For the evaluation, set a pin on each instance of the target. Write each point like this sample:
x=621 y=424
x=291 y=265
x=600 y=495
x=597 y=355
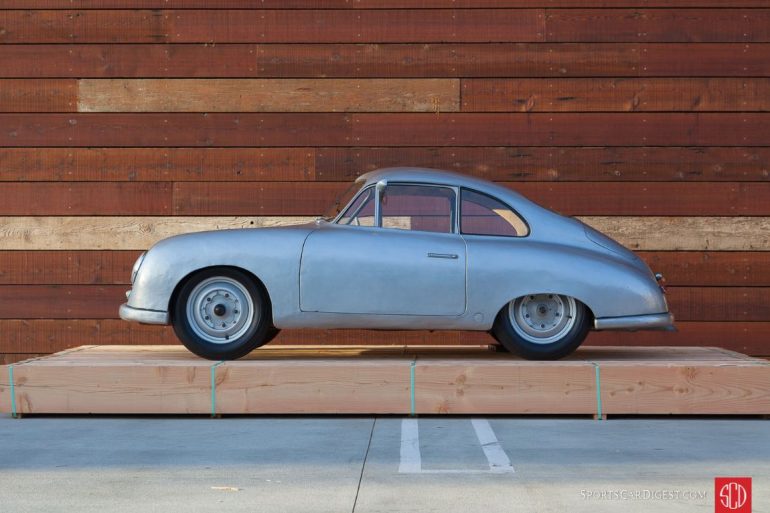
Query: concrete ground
x=366 y=464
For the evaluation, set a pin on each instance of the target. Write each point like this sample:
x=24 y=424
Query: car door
x=406 y=260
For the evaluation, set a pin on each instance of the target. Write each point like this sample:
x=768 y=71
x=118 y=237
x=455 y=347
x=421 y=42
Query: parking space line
x=411 y=459
x=498 y=460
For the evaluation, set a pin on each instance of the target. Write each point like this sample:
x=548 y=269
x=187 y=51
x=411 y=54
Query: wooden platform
x=388 y=380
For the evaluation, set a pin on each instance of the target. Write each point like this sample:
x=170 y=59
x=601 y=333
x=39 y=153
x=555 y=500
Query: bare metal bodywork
x=328 y=275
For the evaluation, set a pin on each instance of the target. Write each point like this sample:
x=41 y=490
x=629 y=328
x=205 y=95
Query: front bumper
x=128 y=313
x=662 y=321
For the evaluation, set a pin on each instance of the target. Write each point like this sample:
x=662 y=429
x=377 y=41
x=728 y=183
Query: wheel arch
x=255 y=279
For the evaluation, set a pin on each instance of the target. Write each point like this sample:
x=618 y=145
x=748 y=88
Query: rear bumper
x=663 y=321
x=128 y=313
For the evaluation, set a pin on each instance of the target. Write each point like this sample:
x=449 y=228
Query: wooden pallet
x=387 y=380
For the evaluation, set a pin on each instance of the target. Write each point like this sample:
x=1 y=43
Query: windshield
x=340 y=201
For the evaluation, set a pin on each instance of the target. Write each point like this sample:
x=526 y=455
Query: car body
x=428 y=249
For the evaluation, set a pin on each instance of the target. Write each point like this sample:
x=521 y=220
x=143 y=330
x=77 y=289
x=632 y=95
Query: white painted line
x=411 y=461
x=498 y=460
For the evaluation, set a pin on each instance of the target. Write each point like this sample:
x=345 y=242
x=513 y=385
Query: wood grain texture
x=86 y=198
x=556 y=164
x=272 y=26
x=451 y=386
x=616 y=95
x=657 y=25
x=648 y=233
x=703 y=60
x=53 y=95
x=562 y=129
x=22 y=336
x=168 y=164
x=728 y=268
x=336 y=60
x=448 y=60
x=384 y=25
x=569 y=198
x=368 y=4
x=122 y=386
x=66 y=267
x=268 y=95
x=403 y=129
x=685 y=388
x=611 y=164
x=115 y=233
x=62 y=301
x=681 y=268
x=468 y=380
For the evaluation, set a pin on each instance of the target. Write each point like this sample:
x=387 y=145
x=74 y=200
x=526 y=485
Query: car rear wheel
x=222 y=314
x=542 y=326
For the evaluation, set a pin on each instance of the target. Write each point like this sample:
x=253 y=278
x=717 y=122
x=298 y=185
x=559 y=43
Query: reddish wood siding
x=638 y=111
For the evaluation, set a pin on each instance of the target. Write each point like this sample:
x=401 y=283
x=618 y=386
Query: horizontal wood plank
x=569 y=198
x=554 y=164
x=657 y=25
x=366 y=4
x=610 y=164
x=171 y=164
x=51 y=95
x=616 y=95
x=648 y=233
x=403 y=129
x=681 y=268
x=86 y=198
x=116 y=233
x=272 y=26
x=359 y=60
x=448 y=60
x=51 y=335
x=562 y=129
x=384 y=25
x=66 y=267
x=269 y=95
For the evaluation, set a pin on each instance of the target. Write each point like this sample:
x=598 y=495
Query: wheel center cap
x=220 y=310
x=542 y=309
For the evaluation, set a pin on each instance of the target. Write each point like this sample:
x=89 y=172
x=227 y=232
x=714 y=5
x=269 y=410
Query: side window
x=418 y=207
x=361 y=211
x=484 y=215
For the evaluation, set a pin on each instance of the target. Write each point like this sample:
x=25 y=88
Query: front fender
x=270 y=254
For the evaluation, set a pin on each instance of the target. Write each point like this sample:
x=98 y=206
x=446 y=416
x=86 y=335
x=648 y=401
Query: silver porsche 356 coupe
x=413 y=249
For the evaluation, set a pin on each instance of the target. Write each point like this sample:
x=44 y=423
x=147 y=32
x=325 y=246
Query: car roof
x=421 y=175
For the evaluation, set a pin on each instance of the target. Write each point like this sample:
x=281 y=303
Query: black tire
x=524 y=337
x=245 y=306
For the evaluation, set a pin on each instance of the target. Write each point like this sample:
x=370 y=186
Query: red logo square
x=732 y=495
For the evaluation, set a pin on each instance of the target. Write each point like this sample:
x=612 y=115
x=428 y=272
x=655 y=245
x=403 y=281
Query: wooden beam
x=616 y=95
x=50 y=95
x=394 y=129
x=540 y=164
x=133 y=233
x=268 y=95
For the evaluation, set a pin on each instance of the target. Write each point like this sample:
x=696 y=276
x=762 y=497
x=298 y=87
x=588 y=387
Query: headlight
x=136 y=267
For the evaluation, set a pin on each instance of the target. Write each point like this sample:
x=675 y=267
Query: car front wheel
x=542 y=326
x=221 y=314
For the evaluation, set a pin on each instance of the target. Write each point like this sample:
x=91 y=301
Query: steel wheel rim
x=220 y=310
x=542 y=318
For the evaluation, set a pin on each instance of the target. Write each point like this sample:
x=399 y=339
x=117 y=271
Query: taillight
x=661 y=282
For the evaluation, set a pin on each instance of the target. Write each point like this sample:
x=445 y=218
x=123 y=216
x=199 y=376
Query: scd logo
x=732 y=494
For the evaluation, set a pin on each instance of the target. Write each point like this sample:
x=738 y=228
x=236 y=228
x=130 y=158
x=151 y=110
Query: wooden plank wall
x=124 y=121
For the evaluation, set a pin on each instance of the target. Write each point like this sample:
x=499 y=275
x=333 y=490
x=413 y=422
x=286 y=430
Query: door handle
x=443 y=255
